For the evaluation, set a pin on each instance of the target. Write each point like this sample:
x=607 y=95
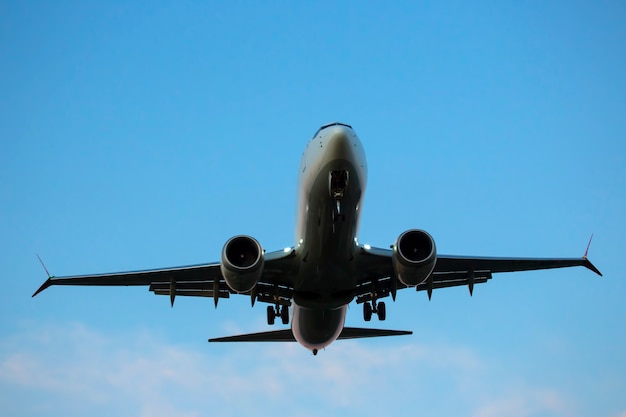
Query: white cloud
x=525 y=402
x=71 y=369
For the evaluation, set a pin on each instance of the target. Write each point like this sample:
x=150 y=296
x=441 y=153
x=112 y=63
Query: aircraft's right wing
x=203 y=280
x=379 y=281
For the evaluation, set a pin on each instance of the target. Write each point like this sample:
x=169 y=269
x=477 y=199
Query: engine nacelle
x=414 y=257
x=242 y=263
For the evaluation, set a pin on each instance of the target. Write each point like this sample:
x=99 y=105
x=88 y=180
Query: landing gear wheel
x=284 y=314
x=271 y=315
x=367 y=311
x=382 y=311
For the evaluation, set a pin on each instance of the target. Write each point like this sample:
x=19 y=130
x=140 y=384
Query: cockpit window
x=335 y=124
x=329 y=125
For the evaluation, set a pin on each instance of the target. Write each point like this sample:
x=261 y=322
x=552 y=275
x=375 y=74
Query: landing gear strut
x=278 y=311
x=379 y=309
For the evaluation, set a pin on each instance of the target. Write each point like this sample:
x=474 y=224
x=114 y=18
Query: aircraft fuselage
x=331 y=183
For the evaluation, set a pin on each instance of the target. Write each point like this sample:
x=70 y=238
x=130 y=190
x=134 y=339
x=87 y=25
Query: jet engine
x=242 y=263
x=414 y=257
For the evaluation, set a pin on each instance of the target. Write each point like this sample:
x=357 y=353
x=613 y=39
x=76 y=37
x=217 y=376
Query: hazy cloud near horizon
x=77 y=369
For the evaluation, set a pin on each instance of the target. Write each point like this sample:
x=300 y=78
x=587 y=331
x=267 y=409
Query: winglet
x=44 y=286
x=43 y=265
x=48 y=281
x=588 y=244
x=587 y=263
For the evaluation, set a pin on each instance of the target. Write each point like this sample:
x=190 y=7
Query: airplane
x=326 y=268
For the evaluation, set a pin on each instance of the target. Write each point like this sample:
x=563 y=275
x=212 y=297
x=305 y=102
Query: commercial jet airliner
x=326 y=268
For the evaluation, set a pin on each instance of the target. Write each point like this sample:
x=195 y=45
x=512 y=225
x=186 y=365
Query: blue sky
x=145 y=135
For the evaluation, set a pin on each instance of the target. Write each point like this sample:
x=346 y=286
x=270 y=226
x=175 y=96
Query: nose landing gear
x=338 y=183
x=337 y=186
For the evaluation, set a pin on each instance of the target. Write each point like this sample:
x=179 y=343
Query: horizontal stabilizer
x=273 y=336
x=287 y=335
x=357 y=333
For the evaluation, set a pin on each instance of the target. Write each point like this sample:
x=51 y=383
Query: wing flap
x=193 y=293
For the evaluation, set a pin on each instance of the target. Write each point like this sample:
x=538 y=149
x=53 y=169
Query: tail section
x=287 y=335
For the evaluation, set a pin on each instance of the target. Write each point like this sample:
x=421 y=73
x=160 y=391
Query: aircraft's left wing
x=378 y=278
x=203 y=280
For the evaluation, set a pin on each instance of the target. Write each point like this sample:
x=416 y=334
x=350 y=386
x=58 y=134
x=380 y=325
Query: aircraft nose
x=340 y=142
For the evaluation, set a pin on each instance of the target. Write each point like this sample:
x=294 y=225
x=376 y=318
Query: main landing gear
x=379 y=309
x=278 y=311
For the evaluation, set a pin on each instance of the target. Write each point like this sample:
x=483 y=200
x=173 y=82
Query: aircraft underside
x=327 y=268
